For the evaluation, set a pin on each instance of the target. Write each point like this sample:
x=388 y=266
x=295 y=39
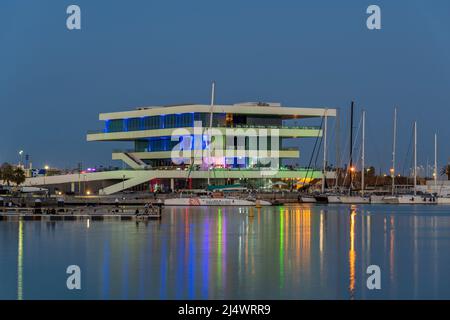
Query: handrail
x=218 y=127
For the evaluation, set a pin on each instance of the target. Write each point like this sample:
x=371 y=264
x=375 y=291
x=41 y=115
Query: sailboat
x=323 y=198
x=213 y=199
x=414 y=198
x=335 y=197
x=392 y=199
x=439 y=199
x=359 y=199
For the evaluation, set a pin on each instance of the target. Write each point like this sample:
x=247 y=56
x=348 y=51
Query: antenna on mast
x=394 y=144
x=213 y=88
x=363 y=151
x=415 y=157
x=435 y=173
x=324 y=150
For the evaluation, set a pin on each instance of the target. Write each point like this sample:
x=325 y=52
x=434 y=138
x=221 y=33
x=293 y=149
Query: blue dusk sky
x=54 y=82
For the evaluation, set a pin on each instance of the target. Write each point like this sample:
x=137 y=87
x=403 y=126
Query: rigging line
x=316 y=157
x=318 y=153
x=407 y=152
x=375 y=144
x=340 y=161
x=312 y=154
x=353 y=147
x=332 y=137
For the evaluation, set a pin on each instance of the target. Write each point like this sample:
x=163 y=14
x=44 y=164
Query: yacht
x=307 y=199
x=214 y=199
x=443 y=200
x=380 y=199
x=354 y=199
x=334 y=198
x=359 y=199
x=415 y=199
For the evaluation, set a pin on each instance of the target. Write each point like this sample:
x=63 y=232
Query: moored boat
x=217 y=198
x=321 y=198
x=355 y=199
x=415 y=199
x=308 y=199
x=206 y=201
x=390 y=199
x=334 y=199
x=443 y=200
x=376 y=199
x=379 y=199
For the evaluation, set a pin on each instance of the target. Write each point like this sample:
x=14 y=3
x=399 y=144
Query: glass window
x=115 y=125
x=134 y=124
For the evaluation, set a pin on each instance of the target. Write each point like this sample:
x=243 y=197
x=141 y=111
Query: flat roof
x=300 y=112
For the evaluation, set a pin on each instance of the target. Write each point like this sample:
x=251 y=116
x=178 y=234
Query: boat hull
x=196 y=202
x=383 y=199
x=321 y=199
x=308 y=200
x=443 y=200
x=376 y=199
x=354 y=199
x=334 y=199
x=411 y=199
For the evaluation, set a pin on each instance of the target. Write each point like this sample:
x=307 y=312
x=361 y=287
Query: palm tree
x=7 y=173
x=10 y=174
x=446 y=170
x=18 y=176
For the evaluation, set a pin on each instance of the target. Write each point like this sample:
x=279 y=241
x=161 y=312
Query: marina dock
x=79 y=213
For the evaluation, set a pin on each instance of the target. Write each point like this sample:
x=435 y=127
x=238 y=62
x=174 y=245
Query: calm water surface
x=290 y=252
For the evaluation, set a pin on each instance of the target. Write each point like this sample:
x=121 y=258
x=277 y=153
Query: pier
x=79 y=213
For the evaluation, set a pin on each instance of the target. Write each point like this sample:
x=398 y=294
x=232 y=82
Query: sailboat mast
x=363 y=151
x=338 y=155
x=394 y=145
x=351 y=145
x=213 y=88
x=435 y=162
x=415 y=158
x=324 y=150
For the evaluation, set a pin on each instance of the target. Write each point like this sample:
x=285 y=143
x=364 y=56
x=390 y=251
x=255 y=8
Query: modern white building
x=195 y=146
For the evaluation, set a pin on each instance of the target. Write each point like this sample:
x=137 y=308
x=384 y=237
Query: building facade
x=196 y=146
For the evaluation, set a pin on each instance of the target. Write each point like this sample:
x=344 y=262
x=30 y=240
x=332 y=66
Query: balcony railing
x=220 y=127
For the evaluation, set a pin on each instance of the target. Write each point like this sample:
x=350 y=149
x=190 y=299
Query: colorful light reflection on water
x=291 y=252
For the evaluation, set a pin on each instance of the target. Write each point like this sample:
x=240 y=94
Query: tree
x=7 y=173
x=18 y=176
x=10 y=174
x=446 y=170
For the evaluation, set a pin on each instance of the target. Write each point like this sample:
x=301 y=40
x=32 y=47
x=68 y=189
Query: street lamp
x=123 y=187
x=46 y=167
x=20 y=158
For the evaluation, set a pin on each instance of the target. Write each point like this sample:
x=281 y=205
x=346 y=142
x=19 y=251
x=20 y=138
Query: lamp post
x=20 y=158
x=46 y=167
x=123 y=187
